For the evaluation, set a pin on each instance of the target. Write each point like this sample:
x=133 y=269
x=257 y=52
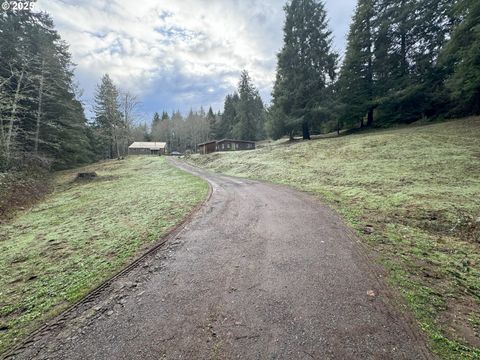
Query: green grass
x=419 y=188
x=54 y=253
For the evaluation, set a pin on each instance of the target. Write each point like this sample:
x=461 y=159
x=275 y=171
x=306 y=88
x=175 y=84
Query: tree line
x=182 y=133
x=42 y=120
x=405 y=60
x=243 y=118
x=39 y=108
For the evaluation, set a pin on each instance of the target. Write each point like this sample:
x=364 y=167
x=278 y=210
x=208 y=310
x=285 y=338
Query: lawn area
x=413 y=195
x=54 y=253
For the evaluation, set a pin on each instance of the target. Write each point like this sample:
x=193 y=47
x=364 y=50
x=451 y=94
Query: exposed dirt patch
x=86 y=175
x=20 y=190
x=96 y=178
x=461 y=320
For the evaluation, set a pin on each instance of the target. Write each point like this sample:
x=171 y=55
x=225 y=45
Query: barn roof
x=148 y=145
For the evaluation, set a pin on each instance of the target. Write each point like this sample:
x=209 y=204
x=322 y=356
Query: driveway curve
x=260 y=272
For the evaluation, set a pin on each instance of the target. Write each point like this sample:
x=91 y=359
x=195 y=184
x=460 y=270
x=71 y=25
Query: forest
x=405 y=61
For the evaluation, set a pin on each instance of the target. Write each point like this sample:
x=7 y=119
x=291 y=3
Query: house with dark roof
x=225 y=145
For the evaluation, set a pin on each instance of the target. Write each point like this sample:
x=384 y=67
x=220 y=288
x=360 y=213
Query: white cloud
x=195 y=47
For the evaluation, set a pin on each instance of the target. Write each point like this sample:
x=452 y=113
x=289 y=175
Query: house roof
x=208 y=142
x=233 y=140
x=148 y=145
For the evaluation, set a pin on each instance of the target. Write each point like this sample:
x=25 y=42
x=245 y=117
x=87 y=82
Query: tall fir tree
x=165 y=116
x=306 y=64
x=160 y=127
x=176 y=134
x=390 y=69
x=40 y=114
x=356 y=74
x=231 y=110
x=212 y=124
x=408 y=37
x=156 y=119
x=228 y=117
x=461 y=59
x=249 y=112
x=108 y=118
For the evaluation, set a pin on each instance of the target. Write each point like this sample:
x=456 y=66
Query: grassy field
x=413 y=194
x=54 y=253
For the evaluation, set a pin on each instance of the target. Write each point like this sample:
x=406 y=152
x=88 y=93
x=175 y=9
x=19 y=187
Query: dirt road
x=260 y=272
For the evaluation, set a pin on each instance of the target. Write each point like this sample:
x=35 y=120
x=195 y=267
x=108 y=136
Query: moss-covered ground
x=54 y=253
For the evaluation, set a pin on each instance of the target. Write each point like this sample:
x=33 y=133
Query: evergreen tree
x=165 y=116
x=212 y=124
x=305 y=65
x=391 y=67
x=160 y=127
x=228 y=116
x=156 y=119
x=356 y=74
x=249 y=110
x=461 y=57
x=409 y=35
x=177 y=130
x=40 y=114
x=108 y=118
x=277 y=124
x=260 y=116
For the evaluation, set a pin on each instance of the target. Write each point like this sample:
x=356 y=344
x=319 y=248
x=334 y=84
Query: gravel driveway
x=260 y=272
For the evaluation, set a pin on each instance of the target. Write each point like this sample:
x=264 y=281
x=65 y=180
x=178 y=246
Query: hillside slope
x=413 y=194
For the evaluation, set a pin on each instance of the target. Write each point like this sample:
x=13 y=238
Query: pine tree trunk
x=370 y=117
x=12 y=116
x=403 y=41
x=290 y=136
x=2 y=129
x=370 y=77
x=125 y=128
x=39 y=110
x=305 y=131
x=115 y=137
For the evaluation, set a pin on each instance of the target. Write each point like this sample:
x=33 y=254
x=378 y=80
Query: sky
x=178 y=54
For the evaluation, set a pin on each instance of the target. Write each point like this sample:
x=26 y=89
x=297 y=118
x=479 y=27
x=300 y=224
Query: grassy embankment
x=54 y=253
x=418 y=187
